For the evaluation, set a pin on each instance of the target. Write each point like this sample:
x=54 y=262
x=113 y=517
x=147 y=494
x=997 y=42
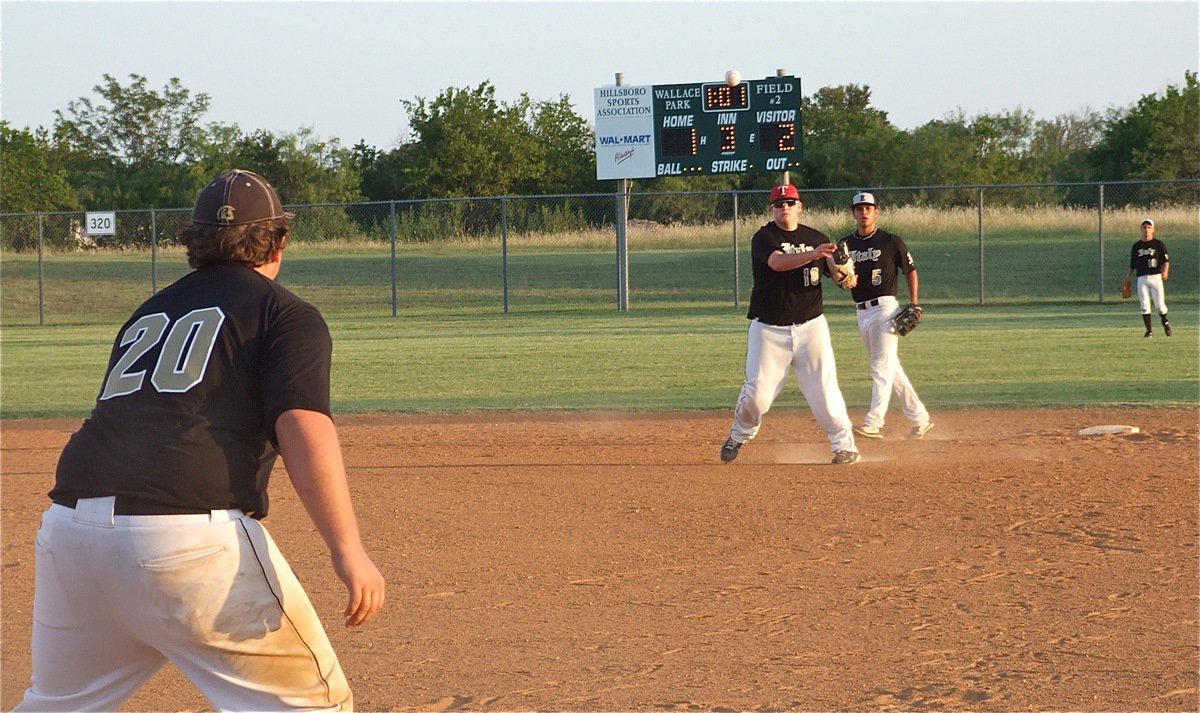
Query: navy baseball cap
x=237 y=198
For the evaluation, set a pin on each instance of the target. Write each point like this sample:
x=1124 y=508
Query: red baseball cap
x=783 y=192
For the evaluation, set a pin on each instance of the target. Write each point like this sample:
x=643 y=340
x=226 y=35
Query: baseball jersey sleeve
x=296 y=364
x=904 y=258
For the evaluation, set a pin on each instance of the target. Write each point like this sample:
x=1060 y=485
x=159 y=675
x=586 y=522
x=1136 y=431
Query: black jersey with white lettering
x=788 y=296
x=1148 y=257
x=196 y=379
x=878 y=259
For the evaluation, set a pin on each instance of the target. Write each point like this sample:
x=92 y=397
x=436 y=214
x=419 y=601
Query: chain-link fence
x=972 y=244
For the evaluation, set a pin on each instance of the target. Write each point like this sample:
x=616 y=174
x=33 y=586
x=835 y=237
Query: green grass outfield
x=675 y=358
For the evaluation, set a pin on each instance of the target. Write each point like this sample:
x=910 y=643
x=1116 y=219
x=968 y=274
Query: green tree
x=1159 y=138
x=133 y=146
x=29 y=179
x=847 y=142
x=1059 y=148
x=939 y=152
x=467 y=143
x=1002 y=143
x=566 y=149
x=303 y=167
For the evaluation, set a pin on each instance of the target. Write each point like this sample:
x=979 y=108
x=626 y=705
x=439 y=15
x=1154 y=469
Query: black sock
x=1166 y=322
x=1146 y=319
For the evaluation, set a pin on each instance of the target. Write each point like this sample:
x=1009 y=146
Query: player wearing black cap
x=152 y=550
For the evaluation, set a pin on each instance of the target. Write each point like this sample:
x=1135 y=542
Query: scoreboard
x=698 y=129
x=704 y=129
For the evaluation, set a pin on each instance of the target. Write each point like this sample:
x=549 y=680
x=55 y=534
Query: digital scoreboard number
x=715 y=128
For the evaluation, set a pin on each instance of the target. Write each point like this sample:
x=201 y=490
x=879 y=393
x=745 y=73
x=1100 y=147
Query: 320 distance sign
x=698 y=129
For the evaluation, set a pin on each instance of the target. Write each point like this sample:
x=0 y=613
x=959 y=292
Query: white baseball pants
x=1151 y=290
x=807 y=350
x=887 y=376
x=118 y=596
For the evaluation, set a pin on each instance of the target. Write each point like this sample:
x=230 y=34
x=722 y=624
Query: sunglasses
x=789 y=202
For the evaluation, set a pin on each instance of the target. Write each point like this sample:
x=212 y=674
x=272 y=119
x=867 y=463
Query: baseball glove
x=1126 y=289
x=844 y=275
x=907 y=319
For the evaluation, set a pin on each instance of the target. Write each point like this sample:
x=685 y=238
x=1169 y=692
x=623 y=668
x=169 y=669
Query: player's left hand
x=364 y=587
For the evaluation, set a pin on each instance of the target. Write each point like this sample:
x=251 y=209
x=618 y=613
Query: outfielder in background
x=788 y=330
x=152 y=550
x=1150 y=262
x=879 y=257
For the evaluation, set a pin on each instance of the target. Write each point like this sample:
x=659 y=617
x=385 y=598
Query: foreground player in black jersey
x=152 y=550
x=788 y=330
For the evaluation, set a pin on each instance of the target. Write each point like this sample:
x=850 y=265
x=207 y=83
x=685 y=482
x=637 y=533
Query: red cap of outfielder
x=783 y=192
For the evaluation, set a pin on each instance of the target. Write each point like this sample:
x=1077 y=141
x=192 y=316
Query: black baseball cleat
x=729 y=451
x=1148 y=334
x=846 y=457
x=1167 y=329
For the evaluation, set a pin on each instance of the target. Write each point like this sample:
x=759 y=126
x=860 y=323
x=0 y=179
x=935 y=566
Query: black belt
x=789 y=324
x=868 y=304
x=132 y=506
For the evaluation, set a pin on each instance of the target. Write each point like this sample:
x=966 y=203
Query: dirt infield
x=611 y=562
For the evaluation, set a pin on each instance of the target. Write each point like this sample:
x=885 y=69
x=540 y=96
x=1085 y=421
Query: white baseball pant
x=117 y=596
x=807 y=350
x=887 y=376
x=1150 y=290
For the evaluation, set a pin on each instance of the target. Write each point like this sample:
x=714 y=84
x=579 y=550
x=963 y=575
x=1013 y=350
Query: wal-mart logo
x=627 y=140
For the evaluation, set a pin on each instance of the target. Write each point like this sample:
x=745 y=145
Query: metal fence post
x=41 y=286
x=979 y=213
x=153 y=253
x=1100 y=231
x=392 y=204
x=504 y=250
x=736 y=267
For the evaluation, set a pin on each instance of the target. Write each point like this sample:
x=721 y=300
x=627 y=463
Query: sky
x=343 y=68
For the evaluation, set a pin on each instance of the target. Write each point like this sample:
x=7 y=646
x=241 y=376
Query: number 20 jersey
x=195 y=382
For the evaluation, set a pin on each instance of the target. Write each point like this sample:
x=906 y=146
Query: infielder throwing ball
x=879 y=257
x=1152 y=265
x=152 y=550
x=788 y=330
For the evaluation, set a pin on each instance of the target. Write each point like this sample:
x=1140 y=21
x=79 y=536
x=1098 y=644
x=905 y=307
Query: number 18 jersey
x=195 y=381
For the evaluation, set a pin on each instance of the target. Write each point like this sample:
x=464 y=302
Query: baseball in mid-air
x=733 y=77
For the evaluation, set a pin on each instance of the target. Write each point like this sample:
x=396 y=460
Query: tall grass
x=1025 y=255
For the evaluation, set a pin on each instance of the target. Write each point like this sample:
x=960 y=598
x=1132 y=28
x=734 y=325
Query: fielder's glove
x=844 y=275
x=1126 y=289
x=907 y=319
